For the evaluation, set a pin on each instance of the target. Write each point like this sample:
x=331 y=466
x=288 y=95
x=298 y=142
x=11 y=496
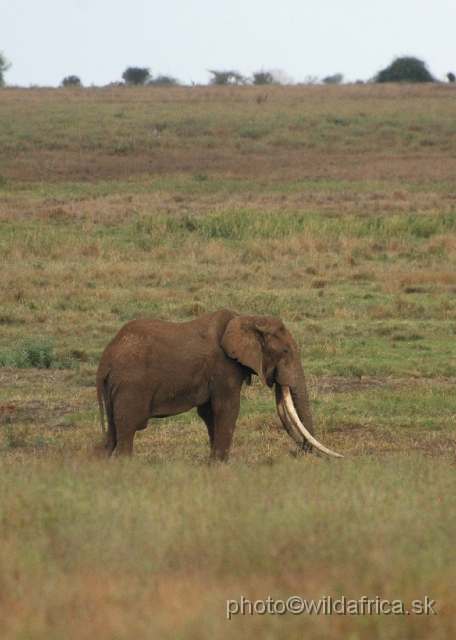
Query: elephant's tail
x=104 y=395
x=102 y=410
x=101 y=404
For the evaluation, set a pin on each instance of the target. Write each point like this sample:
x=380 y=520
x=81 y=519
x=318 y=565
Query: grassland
x=331 y=207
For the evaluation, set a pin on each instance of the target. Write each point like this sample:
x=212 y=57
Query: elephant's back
x=148 y=339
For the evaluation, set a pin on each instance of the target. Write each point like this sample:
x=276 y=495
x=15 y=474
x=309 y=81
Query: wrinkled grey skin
x=155 y=369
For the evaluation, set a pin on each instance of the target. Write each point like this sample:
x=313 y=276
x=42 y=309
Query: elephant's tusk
x=298 y=424
x=284 y=418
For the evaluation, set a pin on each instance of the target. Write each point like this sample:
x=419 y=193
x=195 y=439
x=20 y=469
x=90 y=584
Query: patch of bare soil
x=334 y=384
x=35 y=395
x=283 y=164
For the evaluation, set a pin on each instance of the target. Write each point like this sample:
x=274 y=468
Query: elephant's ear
x=242 y=342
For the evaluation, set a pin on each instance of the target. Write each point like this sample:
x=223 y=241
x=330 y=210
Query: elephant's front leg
x=205 y=412
x=225 y=411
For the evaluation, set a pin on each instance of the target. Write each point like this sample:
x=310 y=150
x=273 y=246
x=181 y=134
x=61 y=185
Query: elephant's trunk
x=287 y=411
x=301 y=402
x=293 y=377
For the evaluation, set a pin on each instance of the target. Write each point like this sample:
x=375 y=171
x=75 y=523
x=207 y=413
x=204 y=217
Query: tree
x=335 y=79
x=406 y=69
x=71 y=81
x=451 y=77
x=262 y=77
x=226 y=77
x=164 y=81
x=4 y=66
x=136 y=75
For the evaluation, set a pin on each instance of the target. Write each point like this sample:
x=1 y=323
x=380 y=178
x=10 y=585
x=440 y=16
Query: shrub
x=37 y=352
x=335 y=79
x=136 y=75
x=262 y=77
x=164 y=80
x=4 y=66
x=71 y=81
x=406 y=69
x=226 y=77
x=16 y=436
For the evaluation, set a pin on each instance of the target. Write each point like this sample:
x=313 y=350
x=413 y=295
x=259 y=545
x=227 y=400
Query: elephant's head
x=265 y=345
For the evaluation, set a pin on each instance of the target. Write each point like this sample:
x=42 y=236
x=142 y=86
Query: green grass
x=365 y=294
x=250 y=225
x=206 y=184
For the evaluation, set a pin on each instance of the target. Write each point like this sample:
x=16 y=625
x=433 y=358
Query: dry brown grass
x=85 y=604
x=333 y=201
x=156 y=551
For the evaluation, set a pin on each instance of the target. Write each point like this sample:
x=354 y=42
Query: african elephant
x=156 y=369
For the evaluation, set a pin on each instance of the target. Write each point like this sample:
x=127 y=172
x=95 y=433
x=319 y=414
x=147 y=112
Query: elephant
x=156 y=369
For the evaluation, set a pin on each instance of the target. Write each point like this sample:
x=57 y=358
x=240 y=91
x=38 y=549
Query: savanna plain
x=333 y=208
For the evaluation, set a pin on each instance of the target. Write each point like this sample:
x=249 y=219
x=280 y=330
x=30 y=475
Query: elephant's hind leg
x=130 y=415
x=125 y=444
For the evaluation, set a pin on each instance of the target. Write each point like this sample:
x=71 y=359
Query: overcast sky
x=46 y=40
